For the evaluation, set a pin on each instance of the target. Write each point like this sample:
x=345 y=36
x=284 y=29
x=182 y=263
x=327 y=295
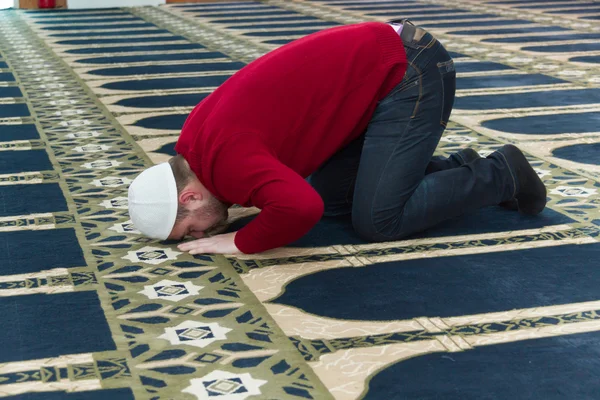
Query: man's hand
x=218 y=244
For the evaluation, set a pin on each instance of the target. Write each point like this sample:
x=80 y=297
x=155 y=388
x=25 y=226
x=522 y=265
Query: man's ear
x=188 y=196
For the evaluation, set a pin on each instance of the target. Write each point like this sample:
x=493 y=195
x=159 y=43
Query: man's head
x=168 y=201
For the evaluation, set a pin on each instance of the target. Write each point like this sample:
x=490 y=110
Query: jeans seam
x=459 y=155
x=511 y=174
x=377 y=231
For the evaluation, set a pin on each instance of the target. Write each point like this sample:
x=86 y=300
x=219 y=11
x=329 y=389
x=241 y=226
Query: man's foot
x=468 y=155
x=530 y=192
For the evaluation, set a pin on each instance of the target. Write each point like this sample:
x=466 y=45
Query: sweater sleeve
x=247 y=173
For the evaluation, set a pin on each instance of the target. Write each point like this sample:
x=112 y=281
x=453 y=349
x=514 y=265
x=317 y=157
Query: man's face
x=199 y=221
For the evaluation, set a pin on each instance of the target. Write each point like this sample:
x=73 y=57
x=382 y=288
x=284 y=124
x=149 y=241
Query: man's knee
x=365 y=228
x=384 y=230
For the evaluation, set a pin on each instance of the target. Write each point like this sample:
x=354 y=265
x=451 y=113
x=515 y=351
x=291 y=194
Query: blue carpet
x=480 y=82
x=547 y=124
x=564 y=48
x=115 y=33
x=40 y=335
x=171 y=100
x=127 y=49
x=168 y=83
x=174 y=121
x=587 y=59
x=530 y=369
x=479 y=32
x=112 y=394
x=6 y=77
x=24 y=161
x=40 y=199
x=125 y=40
x=18 y=132
x=475 y=284
x=46 y=249
x=587 y=153
x=550 y=98
x=545 y=39
x=14 y=110
x=167 y=69
x=152 y=57
x=476 y=23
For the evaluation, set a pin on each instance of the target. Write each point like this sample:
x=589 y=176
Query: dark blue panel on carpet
x=211 y=8
x=302 y=32
x=170 y=100
x=24 y=161
x=36 y=199
x=454 y=54
x=412 y=13
x=127 y=49
x=586 y=59
x=510 y=30
x=116 y=32
x=168 y=69
x=548 y=124
x=373 y=6
x=279 y=41
x=73 y=13
x=479 y=82
x=83 y=20
x=124 y=40
x=168 y=148
x=18 y=132
x=152 y=57
x=545 y=38
x=247 y=14
x=3 y=64
x=450 y=286
x=558 y=4
x=465 y=16
x=551 y=98
x=112 y=394
x=6 y=77
x=408 y=4
x=219 y=4
x=33 y=251
x=476 y=23
x=564 y=48
x=10 y=91
x=587 y=153
x=474 y=66
x=561 y=367
x=587 y=10
x=594 y=17
x=42 y=325
x=173 y=121
x=98 y=27
x=14 y=110
x=324 y=24
x=298 y=17
x=168 y=83
x=339 y=230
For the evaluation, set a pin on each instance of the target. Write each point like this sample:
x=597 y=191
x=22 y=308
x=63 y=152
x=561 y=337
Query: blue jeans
x=389 y=180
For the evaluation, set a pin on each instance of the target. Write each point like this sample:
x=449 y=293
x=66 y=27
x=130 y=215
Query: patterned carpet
x=493 y=305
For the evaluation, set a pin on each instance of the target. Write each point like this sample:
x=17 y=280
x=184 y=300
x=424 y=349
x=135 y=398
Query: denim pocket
x=448 y=77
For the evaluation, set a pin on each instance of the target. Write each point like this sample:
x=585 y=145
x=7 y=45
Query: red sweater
x=256 y=138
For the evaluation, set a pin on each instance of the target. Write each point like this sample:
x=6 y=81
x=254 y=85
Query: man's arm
x=246 y=172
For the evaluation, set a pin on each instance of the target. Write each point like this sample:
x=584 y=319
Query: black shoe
x=530 y=192
x=468 y=155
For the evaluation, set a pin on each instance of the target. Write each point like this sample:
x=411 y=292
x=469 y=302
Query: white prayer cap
x=153 y=201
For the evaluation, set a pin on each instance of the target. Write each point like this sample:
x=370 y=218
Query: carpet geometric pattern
x=490 y=305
